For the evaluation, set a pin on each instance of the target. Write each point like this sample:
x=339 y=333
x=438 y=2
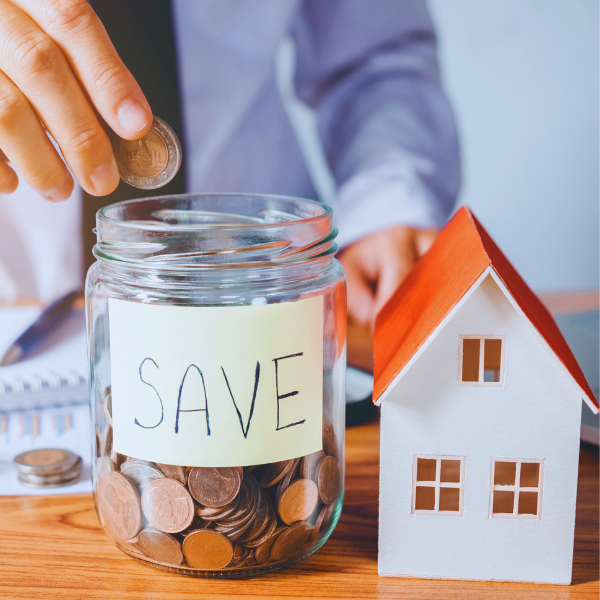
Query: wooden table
x=53 y=547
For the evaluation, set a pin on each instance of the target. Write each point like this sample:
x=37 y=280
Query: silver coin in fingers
x=151 y=161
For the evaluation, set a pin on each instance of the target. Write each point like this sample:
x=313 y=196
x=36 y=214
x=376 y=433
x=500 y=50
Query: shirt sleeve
x=369 y=69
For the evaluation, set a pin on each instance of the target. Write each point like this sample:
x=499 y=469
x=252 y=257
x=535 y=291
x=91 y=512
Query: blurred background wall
x=523 y=79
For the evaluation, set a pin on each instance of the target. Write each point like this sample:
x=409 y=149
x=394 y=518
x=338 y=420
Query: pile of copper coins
x=221 y=518
x=48 y=468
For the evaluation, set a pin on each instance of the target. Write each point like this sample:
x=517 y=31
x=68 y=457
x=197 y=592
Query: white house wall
x=535 y=415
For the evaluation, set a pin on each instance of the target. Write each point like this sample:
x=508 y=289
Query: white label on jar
x=217 y=386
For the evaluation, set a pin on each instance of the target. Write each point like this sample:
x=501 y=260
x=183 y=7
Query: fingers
x=360 y=298
x=360 y=294
x=396 y=258
x=79 y=33
x=26 y=145
x=8 y=179
x=424 y=239
x=37 y=66
x=376 y=265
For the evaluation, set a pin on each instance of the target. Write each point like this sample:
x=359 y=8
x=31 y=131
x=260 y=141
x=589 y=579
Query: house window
x=516 y=488
x=438 y=485
x=481 y=360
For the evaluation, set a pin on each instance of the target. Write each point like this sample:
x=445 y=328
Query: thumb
x=360 y=294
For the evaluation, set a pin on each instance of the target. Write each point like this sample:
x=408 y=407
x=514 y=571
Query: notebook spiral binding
x=36 y=392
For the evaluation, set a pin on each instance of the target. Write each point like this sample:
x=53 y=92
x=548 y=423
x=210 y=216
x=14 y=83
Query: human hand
x=377 y=264
x=58 y=72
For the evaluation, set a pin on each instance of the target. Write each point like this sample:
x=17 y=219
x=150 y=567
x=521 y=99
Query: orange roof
x=456 y=260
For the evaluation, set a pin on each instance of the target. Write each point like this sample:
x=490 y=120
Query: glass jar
x=217 y=348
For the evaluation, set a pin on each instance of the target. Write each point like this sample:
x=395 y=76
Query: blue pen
x=34 y=335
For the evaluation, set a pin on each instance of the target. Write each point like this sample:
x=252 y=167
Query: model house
x=480 y=417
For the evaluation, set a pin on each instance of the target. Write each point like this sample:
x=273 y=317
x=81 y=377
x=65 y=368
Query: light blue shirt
x=369 y=70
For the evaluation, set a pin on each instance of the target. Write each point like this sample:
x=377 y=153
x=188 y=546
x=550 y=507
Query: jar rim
x=214 y=230
x=102 y=216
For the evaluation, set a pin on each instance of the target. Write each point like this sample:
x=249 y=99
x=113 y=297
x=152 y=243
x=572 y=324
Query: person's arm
x=370 y=71
x=58 y=72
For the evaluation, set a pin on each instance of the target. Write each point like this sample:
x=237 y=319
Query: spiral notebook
x=55 y=374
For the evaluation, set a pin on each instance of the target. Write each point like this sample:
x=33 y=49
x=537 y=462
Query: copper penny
x=322 y=521
x=275 y=472
x=119 y=505
x=167 y=505
x=309 y=464
x=246 y=502
x=299 y=501
x=160 y=546
x=140 y=473
x=218 y=513
x=266 y=533
x=206 y=512
x=285 y=482
x=172 y=472
x=240 y=554
x=262 y=554
x=259 y=521
x=290 y=542
x=329 y=439
x=207 y=550
x=329 y=479
x=214 y=486
x=234 y=532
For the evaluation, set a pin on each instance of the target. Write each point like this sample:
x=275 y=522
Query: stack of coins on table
x=215 y=518
x=48 y=468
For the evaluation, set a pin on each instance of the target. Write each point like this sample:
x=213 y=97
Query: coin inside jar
x=173 y=472
x=328 y=479
x=262 y=554
x=168 y=505
x=119 y=505
x=298 y=501
x=152 y=161
x=275 y=472
x=249 y=523
x=214 y=486
x=140 y=473
x=309 y=464
x=287 y=543
x=207 y=550
x=160 y=546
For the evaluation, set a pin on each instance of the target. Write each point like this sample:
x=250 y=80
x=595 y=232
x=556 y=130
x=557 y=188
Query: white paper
x=55 y=373
x=67 y=428
x=257 y=369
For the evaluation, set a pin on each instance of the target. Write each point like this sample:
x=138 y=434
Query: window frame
x=437 y=484
x=481 y=383
x=516 y=488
